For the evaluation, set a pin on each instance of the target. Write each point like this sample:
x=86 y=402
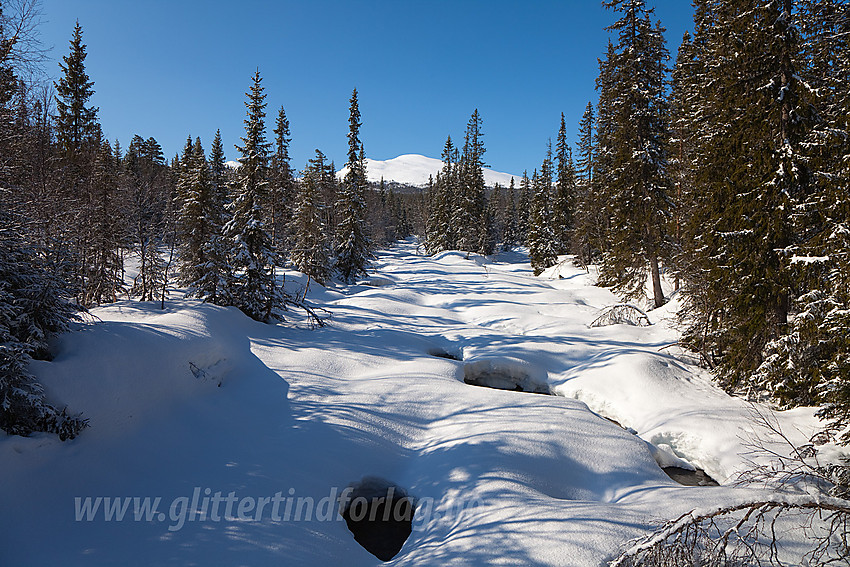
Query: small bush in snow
x=622 y=314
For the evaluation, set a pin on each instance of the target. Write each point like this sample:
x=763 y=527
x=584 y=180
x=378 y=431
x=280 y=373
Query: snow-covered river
x=249 y=434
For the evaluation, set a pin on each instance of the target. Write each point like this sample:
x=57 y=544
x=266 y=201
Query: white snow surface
x=415 y=169
x=197 y=397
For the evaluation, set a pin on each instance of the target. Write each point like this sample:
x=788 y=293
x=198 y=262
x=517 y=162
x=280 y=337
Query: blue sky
x=168 y=69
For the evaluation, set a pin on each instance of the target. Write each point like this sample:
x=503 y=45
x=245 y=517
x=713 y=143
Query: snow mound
x=678 y=408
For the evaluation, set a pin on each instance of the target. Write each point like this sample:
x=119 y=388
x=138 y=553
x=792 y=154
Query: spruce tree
x=442 y=206
x=353 y=248
x=564 y=198
x=218 y=170
x=685 y=116
x=541 y=238
x=635 y=146
x=808 y=361
x=469 y=214
x=78 y=139
x=34 y=304
x=524 y=208
x=252 y=286
x=103 y=265
x=828 y=43
x=750 y=177
x=584 y=162
x=75 y=121
x=282 y=184
x=203 y=264
x=510 y=237
x=311 y=249
x=585 y=212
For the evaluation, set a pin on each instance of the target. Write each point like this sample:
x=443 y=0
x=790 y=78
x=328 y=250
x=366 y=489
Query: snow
x=809 y=259
x=196 y=401
x=415 y=169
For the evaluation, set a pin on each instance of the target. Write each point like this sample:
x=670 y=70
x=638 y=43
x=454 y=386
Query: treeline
x=79 y=213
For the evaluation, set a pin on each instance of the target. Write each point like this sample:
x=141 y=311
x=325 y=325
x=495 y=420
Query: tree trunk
x=657 y=292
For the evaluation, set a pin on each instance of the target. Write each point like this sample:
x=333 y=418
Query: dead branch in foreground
x=748 y=534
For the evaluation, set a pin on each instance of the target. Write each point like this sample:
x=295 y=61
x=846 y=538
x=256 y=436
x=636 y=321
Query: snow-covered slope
x=197 y=402
x=415 y=169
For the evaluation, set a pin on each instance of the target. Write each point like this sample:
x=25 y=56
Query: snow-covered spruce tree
x=282 y=186
x=76 y=123
x=594 y=209
x=541 y=237
x=588 y=214
x=835 y=387
x=442 y=235
x=685 y=115
x=33 y=305
x=564 y=198
x=311 y=249
x=252 y=286
x=103 y=264
x=809 y=363
x=752 y=172
x=34 y=297
x=469 y=214
x=77 y=141
x=524 y=208
x=510 y=236
x=585 y=149
x=353 y=248
x=636 y=184
x=203 y=265
x=218 y=172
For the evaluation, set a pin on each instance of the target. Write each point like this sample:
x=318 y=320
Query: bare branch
x=751 y=539
x=20 y=42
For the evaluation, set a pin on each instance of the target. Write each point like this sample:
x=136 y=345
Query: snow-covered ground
x=197 y=401
x=415 y=169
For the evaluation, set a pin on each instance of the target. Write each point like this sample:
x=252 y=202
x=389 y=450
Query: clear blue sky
x=170 y=68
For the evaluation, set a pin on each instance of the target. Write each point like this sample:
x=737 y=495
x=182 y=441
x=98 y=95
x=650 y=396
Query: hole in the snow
x=440 y=353
x=379 y=514
x=676 y=467
x=501 y=375
x=697 y=477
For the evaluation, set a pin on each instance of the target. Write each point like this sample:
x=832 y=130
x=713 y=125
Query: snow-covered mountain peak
x=415 y=169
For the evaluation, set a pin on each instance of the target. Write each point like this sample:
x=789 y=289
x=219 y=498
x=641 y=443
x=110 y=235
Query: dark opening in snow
x=690 y=478
x=440 y=353
x=501 y=375
x=379 y=514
